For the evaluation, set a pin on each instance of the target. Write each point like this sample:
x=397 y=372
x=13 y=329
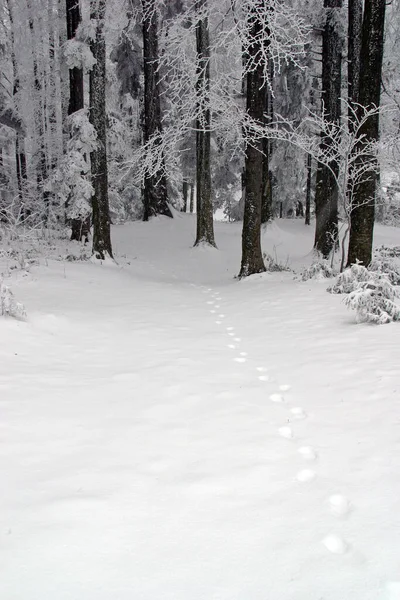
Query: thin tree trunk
x=308 y=190
x=326 y=192
x=155 y=198
x=204 y=206
x=101 y=212
x=363 y=210
x=252 y=259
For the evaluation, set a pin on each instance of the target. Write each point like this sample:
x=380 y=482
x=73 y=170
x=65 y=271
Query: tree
x=363 y=213
x=80 y=224
x=252 y=259
x=204 y=206
x=326 y=193
x=97 y=116
x=155 y=198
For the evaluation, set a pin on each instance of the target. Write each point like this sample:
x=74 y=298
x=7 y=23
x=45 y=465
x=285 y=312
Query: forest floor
x=170 y=433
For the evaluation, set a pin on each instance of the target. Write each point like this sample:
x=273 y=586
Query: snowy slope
x=170 y=433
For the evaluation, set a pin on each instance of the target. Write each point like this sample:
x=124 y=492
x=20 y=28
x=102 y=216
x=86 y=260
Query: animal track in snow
x=263 y=377
x=339 y=505
x=240 y=359
x=217 y=306
x=231 y=346
x=261 y=369
x=231 y=333
x=298 y=413
x=286 y=432
x=276 y=398
x=284 y=388
x=221 y=316
x=213 y=312
x=335 y=544
x=243 y=354
x=307 y=452
x=237 y=339
x=230 y=328
x=305 y=475
x=210 y=302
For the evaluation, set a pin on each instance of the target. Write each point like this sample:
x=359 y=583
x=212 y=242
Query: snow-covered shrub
x=370 y=293
x=349 y=280
x=318 y=270
x=9 y=307
x=374 y=301
x=387 y=267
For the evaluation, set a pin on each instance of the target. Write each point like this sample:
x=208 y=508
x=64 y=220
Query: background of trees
x=111 y=110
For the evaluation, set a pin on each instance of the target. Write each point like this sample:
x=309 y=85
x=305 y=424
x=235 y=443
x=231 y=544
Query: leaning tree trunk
x=204 y=205
x=80 y=225
x=155 y=198
x=252 y=259
x=97 y=116
x=326 y=192
x=362 y=214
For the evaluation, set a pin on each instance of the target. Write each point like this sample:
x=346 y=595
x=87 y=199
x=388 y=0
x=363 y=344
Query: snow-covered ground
x=170 y=433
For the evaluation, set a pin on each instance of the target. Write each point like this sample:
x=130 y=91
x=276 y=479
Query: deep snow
x=170 y=433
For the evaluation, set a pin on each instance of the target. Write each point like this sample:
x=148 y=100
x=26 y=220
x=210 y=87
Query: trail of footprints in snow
x=339 y=504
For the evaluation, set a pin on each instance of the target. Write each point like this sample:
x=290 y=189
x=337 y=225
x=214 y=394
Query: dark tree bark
x=204 y=206
x=155 y=198
x=355 y=10
x=76 y=98
x=326 y=192
x=363 y=207
x=80 y=227
x=185 y=190
x=97 y=115
x=191 y=208
x=252 y=259
x=308 y=190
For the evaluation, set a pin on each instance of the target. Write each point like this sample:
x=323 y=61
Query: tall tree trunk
x=155 y=198
x=204 y=206
x=191 y=208
x=326 y=192
x=363 y=208
x=355 y=10
x=97 y=115
x=308 y=189
x=185 y=189
x=252 y=259
x=266 y=205
x=80 y=225
x=20 y=156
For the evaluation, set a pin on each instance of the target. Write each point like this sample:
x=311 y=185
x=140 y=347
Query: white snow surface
x=141 y=446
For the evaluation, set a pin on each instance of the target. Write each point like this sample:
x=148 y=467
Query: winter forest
x=185 y=412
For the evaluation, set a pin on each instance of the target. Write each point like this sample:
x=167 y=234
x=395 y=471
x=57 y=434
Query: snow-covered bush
x=370 y=293
x=374 y=301
x=318 y=270
x=9 y=307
